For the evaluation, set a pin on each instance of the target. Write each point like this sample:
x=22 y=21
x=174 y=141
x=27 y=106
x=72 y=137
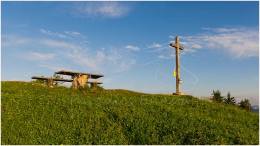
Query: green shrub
x=217 y=96
x=245 y=104
x=229 y=99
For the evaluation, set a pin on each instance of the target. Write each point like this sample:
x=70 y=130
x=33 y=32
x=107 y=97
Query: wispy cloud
x=155 y=45
x=109 y=9
x=164 y=57
x=62 y=35
x=54 y=67
x=55 y=34
x=73 y=51
x=38 y=56
x=59 y=44
x=18 y=41
x=158 y=47
x=102 y=60
x=72 y=33
x=126 y=65
x=14 y=40
x=132 y=48
x=84 y=58
x=238 y=42
x=94 y=60
x=221 y=29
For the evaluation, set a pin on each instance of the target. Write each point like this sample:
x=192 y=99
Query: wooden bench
x=94 y=84
x=50 y=80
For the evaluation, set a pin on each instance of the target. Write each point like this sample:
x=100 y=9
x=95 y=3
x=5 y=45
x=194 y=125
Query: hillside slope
x=33 y=114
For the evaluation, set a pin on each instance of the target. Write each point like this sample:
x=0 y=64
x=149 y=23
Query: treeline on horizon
x=217 y=97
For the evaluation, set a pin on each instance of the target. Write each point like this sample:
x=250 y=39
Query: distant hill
x=34 y=114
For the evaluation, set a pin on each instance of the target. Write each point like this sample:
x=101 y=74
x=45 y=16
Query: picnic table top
x=71 y=73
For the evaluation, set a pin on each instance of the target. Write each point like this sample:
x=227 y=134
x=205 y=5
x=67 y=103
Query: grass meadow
x=34 y=114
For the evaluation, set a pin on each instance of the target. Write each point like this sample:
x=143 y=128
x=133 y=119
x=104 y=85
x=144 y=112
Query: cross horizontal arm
x=174 y=46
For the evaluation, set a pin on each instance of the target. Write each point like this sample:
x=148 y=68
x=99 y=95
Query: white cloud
x=196 y=46
x=109 y=9
x=55 y=34
x=125 y=65
x=163 y=57
x=155 y=45
x=132 y=48
x=54 y=67
x=73 y=52
x=84 y=59
x=59 y=44
x=221 y=29
x=72 y=33
x=62 y=35
x=37 y=56
x=102 y=61
x=14 y=40
x=98 y=60
x=238 y=42
x=80 y=55
x=158 y=47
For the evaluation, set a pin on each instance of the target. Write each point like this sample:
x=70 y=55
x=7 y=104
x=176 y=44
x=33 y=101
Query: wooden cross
x=177 y=47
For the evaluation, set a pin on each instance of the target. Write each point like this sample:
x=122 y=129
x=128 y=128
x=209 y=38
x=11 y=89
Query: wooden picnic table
x=80 y=79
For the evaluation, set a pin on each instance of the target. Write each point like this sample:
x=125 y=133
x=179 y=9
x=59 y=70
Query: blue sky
x=128 y=43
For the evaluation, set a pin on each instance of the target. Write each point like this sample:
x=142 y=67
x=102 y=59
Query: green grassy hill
x=34 y=114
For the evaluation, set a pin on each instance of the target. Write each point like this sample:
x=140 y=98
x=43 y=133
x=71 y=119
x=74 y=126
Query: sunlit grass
x=34 y=114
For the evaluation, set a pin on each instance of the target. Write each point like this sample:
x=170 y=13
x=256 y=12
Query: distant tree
x=229 y=99
x=217 y=96
x=245 y=104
